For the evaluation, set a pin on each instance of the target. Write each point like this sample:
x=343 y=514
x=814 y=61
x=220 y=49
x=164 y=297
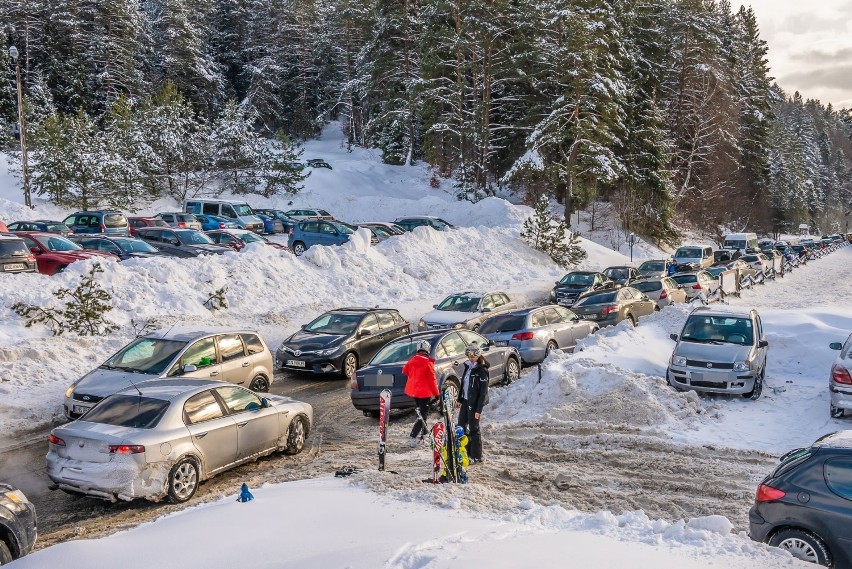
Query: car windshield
x=343 y=229
x=145 y=355
x=707 y=328
x=134 y=246
x=618 y=273
x=250 y=237
x=460 y=303
x=56 y=227
x=194 y=238
x=600 y=298
x=736 y=244
x=584 y=279
x=440 y=224
x=57 y=243
x=338 y=323
x=396 y=353
x=134 y=411
x=688 y=253
x=648 y=286
x=503 y=323
x=685 y=279
x=243 y=209
x=653 y=266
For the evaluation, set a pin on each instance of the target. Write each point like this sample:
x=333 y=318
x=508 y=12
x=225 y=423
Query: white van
x=741 y=241
x=238 y=211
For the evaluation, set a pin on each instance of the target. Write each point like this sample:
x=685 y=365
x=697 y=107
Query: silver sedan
x=161 y=438
x=535 y=332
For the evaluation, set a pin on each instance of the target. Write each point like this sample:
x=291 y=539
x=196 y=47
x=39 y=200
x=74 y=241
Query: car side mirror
x=556 y=283
x=762 y=344
x=434 y=306
x=35 y=250
x=188 y=368
x=363 y=332
x=303 y=326
x=175 y=242
x=486 y=309
x=264 y=403
x=835 y=345
x=673 y=337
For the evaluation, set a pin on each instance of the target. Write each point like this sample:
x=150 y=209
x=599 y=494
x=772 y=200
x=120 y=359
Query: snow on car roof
x=731 y=310
x=840 y=439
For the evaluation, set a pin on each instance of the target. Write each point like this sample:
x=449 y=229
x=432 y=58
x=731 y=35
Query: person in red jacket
x=422 y=385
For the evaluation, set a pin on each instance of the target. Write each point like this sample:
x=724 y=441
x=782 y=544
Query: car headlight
x=678 y=361
x=18 y=500
x=552 y=295
x=327 y=351
x=742 y=366
x=458 y=325
x=69 y=392
x=421 y=324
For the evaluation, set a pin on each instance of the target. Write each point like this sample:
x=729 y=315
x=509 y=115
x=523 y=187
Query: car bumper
x=369 y=400
x=841 y=397
x=758 y=528
x=312 y=363
x=122 y=478
x=711 y=382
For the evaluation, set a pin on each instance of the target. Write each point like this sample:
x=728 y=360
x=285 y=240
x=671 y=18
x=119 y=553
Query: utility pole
x=22 y=127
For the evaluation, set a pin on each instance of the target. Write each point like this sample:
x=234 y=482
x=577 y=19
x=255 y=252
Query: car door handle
x=214 y=373
x=243 y=424
x=245 y=364
x=200 y=435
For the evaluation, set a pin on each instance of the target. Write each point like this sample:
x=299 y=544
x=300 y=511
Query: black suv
x=576 y=283
x=17 y=524
x=341 y=340
x=15 y=256
x=180 y=242
x=805 y=505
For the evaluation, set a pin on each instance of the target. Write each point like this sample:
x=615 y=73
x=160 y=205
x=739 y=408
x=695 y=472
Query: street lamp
x=13 y=52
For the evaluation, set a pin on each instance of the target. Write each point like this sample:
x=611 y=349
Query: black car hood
x=571 y=288
x=307 y=341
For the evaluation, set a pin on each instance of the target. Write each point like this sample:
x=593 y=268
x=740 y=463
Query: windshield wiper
x=702 y=341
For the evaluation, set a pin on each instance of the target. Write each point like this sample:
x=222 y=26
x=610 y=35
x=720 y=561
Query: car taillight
x=840 y=374
x=664 y=295
x=126 y=449
x=54 y=440
x=103 y=228
x=181 y=224
x=291 y=232
x=221 y=226
x=353 y=383
x=696 y=286
x=759 y=263
x=522 y=336
x=31 y=258
x=611 y=308
x=768 y=493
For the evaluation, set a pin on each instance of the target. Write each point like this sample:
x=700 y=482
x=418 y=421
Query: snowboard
x=384 y=417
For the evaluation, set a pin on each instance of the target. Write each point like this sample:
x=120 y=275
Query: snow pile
x=407 y=533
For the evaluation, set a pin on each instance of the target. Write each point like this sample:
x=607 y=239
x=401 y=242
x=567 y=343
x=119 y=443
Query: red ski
x=384 y=417
x=438 y=432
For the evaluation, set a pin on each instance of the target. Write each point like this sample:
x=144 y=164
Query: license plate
x=376 y=380
x=501 y=343
x=565 y=302
x=590 y=316
x=14 y=267
x=80 y=409
x=295 y=363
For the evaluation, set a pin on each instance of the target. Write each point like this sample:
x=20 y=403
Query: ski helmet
x=459 y=431
x=473 y=350
x=424 y=346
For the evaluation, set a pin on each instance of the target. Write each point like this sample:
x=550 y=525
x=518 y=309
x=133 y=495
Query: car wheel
x=183 y=480
x=350 y=365
x=836 y=412
x=656 y=308
x=551 y=345
x=754 y=394
x=802 y=545
x=513 y=370
x=451 y=385
x=296 y=435
x=298 y=248
x=5 y=553
x=259 y=384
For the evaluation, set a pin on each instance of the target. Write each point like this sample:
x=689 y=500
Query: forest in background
x=664 y=108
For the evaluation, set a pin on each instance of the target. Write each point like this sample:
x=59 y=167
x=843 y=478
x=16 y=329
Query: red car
x=3 y=228
x=138 y=222
x=53 y=252
x=237 y=239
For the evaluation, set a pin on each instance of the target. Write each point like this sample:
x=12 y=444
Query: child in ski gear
x=472 y=397
x=421 y=385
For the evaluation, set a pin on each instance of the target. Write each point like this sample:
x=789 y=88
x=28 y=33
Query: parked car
x=392 y=228
x=238 y=211
x=270 y=224
x=801 y=250
x=53 y=253
x=3 y=228
x=608 y=308
x=720 y=350
x=341 y=340
x=286 y=221
x=110 y=221
x=374 y=238
x=695 y=283
x=465 y=310
x=757 y=262
x=699 y=255
x=722 y=256
x=139 y=222
x=181 y=242
x=412 y=221
x=535 y=332
x=15 y=255
x=621 y=275
x=840 y=379
x=238 y=356
x=317 y=163
x=803 y=506
x=18 y=524
x=309 y=233
x=447 y=348
x=577 y=283
x=122 y=247
x=180 y=220
x=741 y=241
x=307 y=214
x=213 y=222
x=161 y=438
x=237 y=239
x=662 y=290
x=655 y=268
x=381 y=233
x=42 y=226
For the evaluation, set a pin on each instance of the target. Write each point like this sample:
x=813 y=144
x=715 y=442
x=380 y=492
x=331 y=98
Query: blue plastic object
x=245 y=494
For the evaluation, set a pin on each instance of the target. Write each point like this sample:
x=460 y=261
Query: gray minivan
x=237 y=211
x=694 y=254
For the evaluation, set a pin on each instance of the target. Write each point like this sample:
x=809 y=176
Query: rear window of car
x=648 y=286
x=253 y=343
x=751 y=258
x=503 y=323
x=791 y=460
x=134 y=411
x=114 y=220
x=684 y=279
x=13 y=248
x=597 y=299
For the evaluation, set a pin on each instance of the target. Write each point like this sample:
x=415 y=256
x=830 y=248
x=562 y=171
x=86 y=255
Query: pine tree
x=552 y=238
x=237 y=149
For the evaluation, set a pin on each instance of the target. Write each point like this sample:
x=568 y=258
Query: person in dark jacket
x=473 y=396
x=421 y=385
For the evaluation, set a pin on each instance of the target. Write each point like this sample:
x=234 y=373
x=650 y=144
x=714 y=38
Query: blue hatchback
x=213 y=222
x=309 y=233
